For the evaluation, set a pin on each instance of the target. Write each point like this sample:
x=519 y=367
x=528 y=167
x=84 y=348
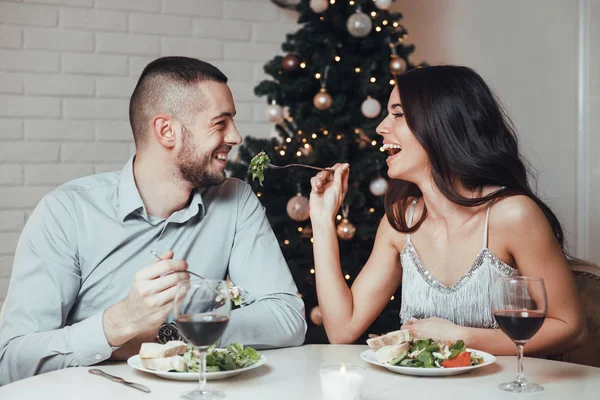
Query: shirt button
x=98 y=357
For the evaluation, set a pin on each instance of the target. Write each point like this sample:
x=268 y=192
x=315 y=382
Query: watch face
x=168 y=332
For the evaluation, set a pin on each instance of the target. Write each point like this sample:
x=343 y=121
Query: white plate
x=369 y=356
x=136 y=362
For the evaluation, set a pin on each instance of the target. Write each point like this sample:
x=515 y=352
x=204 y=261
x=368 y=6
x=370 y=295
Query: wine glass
x=519 y=305
x=202 y=309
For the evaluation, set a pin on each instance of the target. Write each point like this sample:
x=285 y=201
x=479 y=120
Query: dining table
x=293 y=373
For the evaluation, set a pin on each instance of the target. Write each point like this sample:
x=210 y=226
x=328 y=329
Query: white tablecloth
x=294 y=374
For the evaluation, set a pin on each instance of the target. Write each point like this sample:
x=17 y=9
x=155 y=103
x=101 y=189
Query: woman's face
x=407 y=160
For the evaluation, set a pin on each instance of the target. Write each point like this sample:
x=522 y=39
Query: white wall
x=68 y=67
x=527 y=51
x=593 y=111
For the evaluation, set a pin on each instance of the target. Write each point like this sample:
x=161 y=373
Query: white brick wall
x=68 y=67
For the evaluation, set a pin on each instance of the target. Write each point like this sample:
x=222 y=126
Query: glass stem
x=202 y=383
x=520 y=374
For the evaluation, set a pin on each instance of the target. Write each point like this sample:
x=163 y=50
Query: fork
x=138 y=386
x=188 y=271
x=273 y=166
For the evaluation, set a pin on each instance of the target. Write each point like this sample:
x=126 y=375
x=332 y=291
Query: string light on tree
x=370 y=108
x=359 y=24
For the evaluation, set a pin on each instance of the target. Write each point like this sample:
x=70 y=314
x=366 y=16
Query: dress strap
x=410 y=218
x=487 y=218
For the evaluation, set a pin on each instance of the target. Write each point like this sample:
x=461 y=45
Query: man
x=85 y=285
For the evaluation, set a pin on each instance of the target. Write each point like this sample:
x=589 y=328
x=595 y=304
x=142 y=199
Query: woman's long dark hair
x=467 y=136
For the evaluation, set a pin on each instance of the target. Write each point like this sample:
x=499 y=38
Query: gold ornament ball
x=316 y=317
x=298 y=208
x=291 y=63
x=397 y=66
x=322 y=100
x=345 y=230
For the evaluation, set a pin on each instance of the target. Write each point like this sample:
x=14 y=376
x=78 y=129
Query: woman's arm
x=347 y=313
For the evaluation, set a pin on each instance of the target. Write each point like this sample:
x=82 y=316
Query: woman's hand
x=328 y=192
x=435 y=328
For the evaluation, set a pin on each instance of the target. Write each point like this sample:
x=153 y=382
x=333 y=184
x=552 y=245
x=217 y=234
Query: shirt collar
x=130 y=200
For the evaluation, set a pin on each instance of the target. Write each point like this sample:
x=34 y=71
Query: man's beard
x=195 y=168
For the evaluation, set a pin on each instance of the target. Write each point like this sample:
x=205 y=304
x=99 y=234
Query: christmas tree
x=327 y=96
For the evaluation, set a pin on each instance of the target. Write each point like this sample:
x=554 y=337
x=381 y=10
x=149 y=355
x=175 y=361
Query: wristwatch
x=167 y=332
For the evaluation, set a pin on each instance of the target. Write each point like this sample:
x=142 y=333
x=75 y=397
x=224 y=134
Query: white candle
x=342 y=382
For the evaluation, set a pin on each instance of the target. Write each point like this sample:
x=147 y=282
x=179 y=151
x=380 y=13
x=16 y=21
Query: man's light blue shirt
x=84 y=242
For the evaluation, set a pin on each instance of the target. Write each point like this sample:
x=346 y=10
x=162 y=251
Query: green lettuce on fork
x=234 y=356
x=258 y=164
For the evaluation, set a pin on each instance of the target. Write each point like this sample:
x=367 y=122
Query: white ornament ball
x=319 y=6
x=298 y=208
x=383 y=4
x=378 y=187
x=359 y=24
x=315 y=316
x=370 y=108
x=274 y=113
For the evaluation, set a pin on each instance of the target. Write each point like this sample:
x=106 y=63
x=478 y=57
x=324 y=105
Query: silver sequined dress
x=466 y=303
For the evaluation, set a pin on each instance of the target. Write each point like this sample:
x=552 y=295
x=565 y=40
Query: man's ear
x=165 y=130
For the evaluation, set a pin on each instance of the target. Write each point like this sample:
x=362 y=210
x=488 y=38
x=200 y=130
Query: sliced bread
x=157 y=350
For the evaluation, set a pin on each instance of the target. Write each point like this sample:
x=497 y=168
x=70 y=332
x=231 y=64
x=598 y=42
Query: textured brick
x=11 y=174
x=250 y=11
x=96 y=109
x=19 y=106
x=114 y=131
x=235 y=70
x=115 y=87
x=74 y=3
x=29 y=60
x=121 y=43
x=63 y=85
x=55 y=174
x=28 y=14
x=102 y=168
x=203 y=8
x=254 y=129
x=8 y=242
x=244 y=112
x=12 y=220
x=94 y=64
x=11 y=83
x=271 y=33
x=59 y=130
x=137 y=65
x=54 y=39
x=222 y=29
x=95 y=20
x=95 y=152
x=133 y=5
x=198 y=48
x=6 y=263
x=242 y=91
x=250 y=51
x=11 y=129
x=11 y=37
x=33 y=152
x=19 y=197
x=160 y=24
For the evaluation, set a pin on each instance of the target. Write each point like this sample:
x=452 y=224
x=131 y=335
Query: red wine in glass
x=520 y=326
x=202 y=330
x=519 y=306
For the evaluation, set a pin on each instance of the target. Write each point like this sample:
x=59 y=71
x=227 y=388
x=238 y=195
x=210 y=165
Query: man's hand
x=148 y=303
x=132 y=346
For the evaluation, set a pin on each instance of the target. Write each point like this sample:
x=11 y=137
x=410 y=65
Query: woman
x=459 y=213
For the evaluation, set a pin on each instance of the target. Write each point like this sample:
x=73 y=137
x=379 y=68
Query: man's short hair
x=168 y=85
